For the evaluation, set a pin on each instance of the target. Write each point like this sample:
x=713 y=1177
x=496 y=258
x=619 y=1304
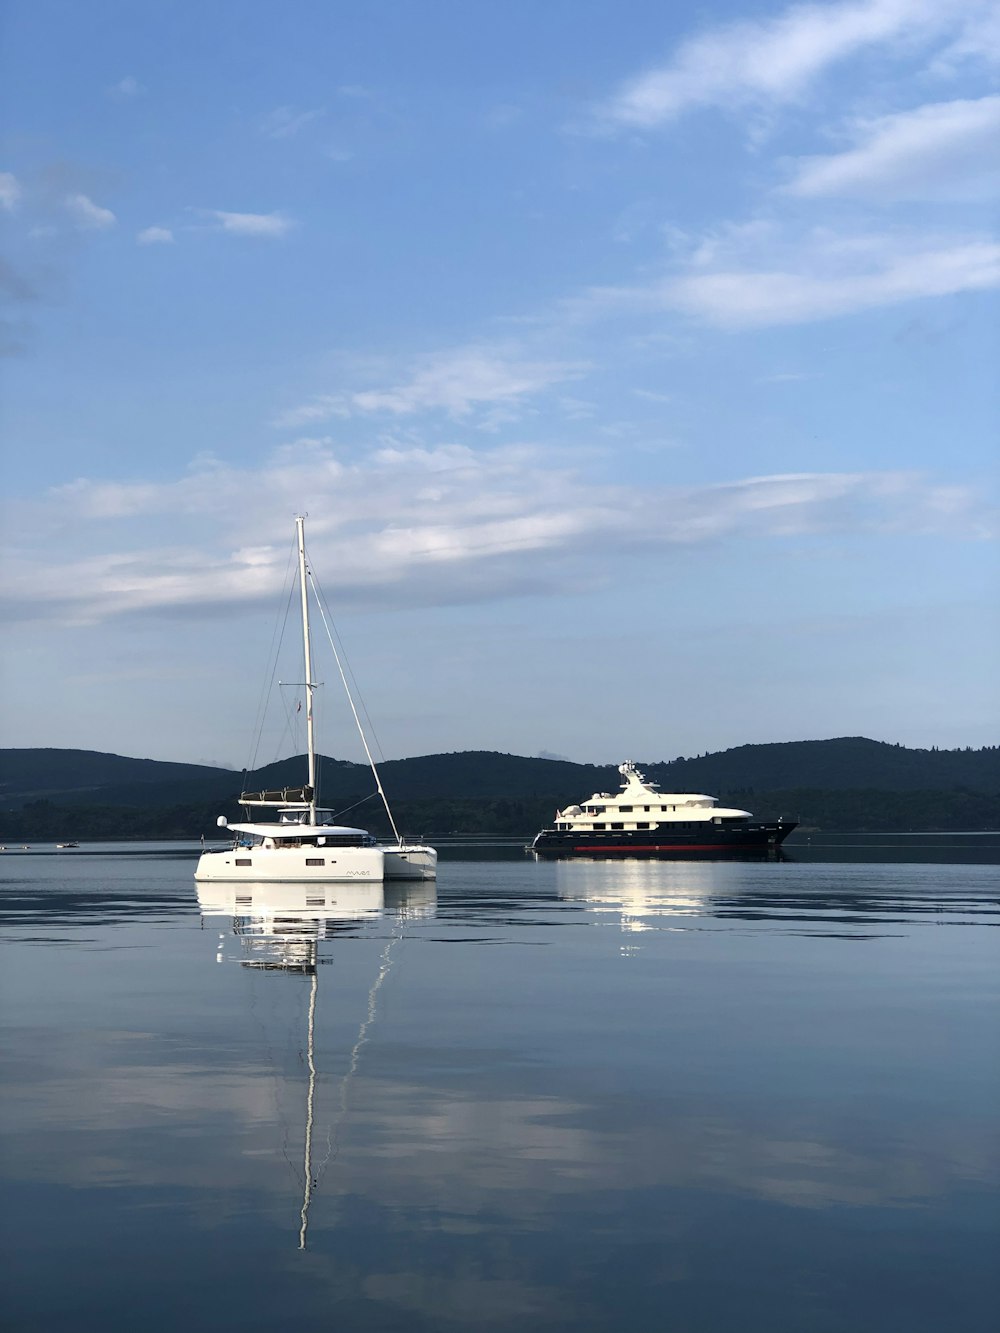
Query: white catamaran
x=300 y=842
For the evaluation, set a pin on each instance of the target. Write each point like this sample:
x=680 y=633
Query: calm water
x=711 y=1098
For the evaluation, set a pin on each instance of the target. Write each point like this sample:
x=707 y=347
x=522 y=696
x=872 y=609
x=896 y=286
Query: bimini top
x=292 y=825
x=300 y=832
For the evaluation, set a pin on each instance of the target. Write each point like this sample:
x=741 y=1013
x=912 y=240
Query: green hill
x=850 y=782
x=113 y=779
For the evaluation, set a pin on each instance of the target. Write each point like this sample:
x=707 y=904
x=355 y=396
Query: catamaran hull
x=749 y=840
x=287 y=865
x=410 y=862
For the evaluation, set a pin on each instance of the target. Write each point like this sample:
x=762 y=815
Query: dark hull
x=713 y=840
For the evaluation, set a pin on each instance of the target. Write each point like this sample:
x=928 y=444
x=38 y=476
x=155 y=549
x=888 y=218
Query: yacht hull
x=287 y=865
x=752 y=839
x=410 y=861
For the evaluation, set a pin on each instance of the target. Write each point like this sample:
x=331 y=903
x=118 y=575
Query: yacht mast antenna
x=307 y=654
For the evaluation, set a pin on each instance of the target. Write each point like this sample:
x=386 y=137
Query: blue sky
x=635 y=365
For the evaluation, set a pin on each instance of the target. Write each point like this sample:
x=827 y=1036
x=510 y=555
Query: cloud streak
x=284 y=122
x=940 y=150
x=772 y=61
x=155 y=236
x=762 y=274
x=87 y=215
x=434 y=526
x=455 y=382
x=251 y=224
x=10 y=191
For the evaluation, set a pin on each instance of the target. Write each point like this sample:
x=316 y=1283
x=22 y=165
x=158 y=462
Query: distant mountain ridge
x=843 y=764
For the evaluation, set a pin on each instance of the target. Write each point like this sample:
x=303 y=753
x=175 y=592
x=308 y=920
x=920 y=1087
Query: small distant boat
x=643 y=821
x=64 y=845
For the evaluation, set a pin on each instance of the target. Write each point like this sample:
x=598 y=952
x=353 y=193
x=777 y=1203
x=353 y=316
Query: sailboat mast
x=307 y=655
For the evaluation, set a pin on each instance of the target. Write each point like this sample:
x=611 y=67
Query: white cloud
x=155 y=236
x=438 y=525
x=284 y=122
x=127 y=87
x=10 y=191
x=760 y=274
x=456 y=382
x=252 y=224
x=459 y=381
x=773 y=60
x=944 y=148
x=87 y=215
x=747 y=299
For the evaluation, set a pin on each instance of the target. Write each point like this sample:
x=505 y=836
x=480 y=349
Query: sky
x=635 y=365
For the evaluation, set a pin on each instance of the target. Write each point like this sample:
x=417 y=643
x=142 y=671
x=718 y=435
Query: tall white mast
x=307 y=655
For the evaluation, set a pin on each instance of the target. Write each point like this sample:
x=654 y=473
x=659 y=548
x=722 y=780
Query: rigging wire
x=324 y=604
x=277 y=638
x=357 y=719
x=333 y=1130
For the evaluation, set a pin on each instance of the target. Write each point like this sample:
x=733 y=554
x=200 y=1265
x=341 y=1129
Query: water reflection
x=280 y=925
x=279 y=928
x=418 y=1114
x=637 y=889
x=809 y=899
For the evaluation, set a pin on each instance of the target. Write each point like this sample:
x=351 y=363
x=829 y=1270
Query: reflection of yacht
x=643 y=821
x=300 y=841
x=642 y=888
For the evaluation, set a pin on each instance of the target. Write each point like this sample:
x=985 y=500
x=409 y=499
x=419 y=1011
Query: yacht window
x=600 y=826
x=244 y=861
x=625 y=809
x=617 y=825
x=642 y=826
x=315 y=861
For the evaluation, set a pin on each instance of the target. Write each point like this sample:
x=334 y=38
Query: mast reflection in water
x=279 y=928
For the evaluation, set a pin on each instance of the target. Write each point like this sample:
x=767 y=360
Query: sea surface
x=645 y=1097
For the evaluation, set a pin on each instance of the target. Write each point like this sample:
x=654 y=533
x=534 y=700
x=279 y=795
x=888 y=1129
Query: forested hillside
x=850 y=782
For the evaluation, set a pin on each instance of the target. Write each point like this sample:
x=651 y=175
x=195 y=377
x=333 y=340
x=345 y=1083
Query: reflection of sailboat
x=280 y=927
